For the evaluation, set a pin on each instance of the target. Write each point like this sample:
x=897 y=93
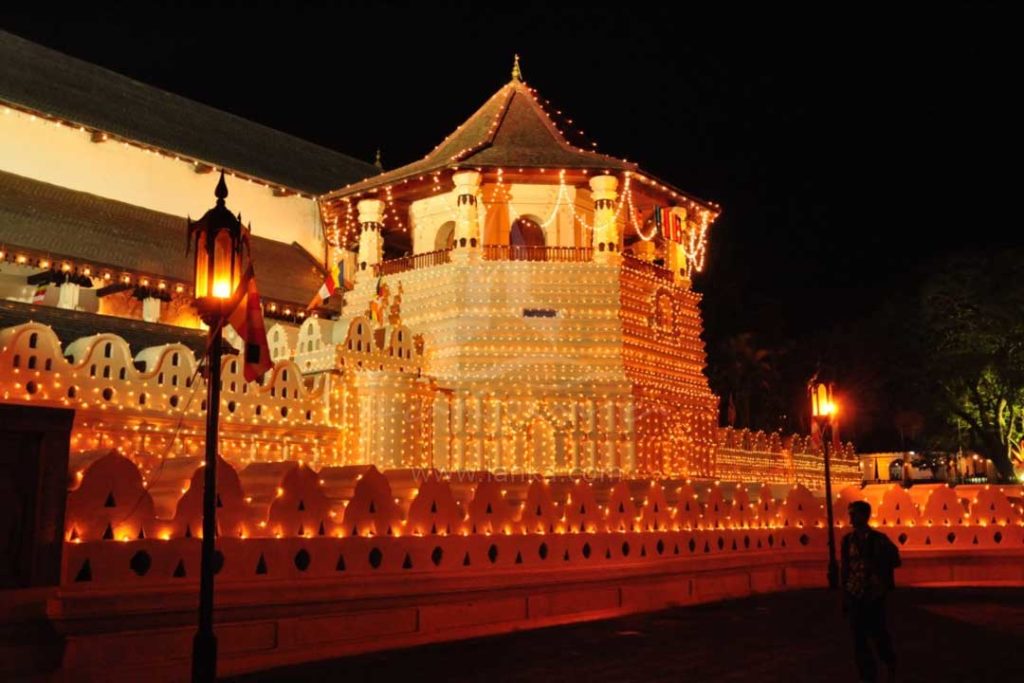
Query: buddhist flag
x=39 y=296
x=377 y=312
x=333 y=279
x=247 y=319
x=671 y=222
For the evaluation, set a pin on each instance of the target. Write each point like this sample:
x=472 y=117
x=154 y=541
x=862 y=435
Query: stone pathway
x=951 y=635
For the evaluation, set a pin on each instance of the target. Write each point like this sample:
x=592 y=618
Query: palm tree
x=746 y=372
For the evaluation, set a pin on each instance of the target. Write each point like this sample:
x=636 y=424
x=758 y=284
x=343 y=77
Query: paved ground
x=941 y=635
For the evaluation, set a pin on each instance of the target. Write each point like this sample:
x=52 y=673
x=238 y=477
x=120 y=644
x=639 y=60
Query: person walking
x=869 y=561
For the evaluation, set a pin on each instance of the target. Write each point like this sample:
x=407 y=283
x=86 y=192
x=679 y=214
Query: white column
x=629 y=432
x=442 y=437
x=151 y=309
x=459 y=432
x=603 y=190
x=467 y=220
x=67 y=296
x=477 y=427
x=371 y=242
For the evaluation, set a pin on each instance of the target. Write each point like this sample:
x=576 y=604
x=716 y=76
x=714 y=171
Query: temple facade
x=561 y=332
x=511 y=302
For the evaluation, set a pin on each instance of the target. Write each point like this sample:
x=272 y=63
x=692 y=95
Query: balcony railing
x=414 y=262
x=508 y=252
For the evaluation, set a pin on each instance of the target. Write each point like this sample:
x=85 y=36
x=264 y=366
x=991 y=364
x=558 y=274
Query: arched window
x=445 y=236
x=523 y=238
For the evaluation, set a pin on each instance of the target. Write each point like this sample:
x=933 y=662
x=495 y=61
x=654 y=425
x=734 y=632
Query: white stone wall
x=525 y=392
x=65 y=156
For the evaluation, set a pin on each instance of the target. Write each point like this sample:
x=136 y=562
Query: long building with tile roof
x=98 y=173
x=38 y=79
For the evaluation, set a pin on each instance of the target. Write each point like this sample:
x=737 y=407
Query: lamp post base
x=204 y=658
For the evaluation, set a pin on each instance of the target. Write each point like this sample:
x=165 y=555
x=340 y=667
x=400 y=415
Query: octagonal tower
x=551 y=287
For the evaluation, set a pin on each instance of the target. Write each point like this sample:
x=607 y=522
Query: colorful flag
x=247 y=319
x=326 y=289
x=341 y=279
x=39 y=296
x=377 y=312
x=671 y=222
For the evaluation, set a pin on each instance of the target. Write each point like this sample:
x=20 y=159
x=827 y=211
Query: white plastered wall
x=61 y=155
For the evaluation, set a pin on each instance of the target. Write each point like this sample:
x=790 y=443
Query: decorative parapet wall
x=313 y=561
x=113 y=499
x=744 y=455
x=152 y=405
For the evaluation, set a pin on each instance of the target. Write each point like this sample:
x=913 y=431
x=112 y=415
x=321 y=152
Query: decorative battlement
x=153 y=402
x=350 y=509
x=776 y=459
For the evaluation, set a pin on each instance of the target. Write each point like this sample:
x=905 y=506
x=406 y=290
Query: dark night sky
x=846 y=146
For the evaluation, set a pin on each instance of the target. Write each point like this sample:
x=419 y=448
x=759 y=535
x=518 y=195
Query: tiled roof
x=84 y=227
x=38 y=78
x=510 y=130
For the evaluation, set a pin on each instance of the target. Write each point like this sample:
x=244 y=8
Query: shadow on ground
x=940 y=634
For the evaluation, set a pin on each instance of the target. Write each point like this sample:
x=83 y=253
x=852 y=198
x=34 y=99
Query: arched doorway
x=896 y=470
x=445 y=237
x=526 y=240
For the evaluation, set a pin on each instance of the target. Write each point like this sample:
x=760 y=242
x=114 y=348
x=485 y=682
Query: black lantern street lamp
x=823 y=411
x=220 y=244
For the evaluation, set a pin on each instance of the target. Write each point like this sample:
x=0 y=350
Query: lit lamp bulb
x=823 y=405
x=219 y=241
x=222 y=289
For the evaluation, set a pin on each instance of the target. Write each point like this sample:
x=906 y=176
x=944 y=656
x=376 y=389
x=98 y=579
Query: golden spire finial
x=517 y=74
x=378 y=162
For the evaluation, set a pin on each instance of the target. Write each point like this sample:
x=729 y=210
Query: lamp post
x=823 y=410
x=219 y=243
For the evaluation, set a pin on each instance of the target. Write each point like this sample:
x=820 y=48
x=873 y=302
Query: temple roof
x=104 y=232
x=509 y=130
x=45 y=81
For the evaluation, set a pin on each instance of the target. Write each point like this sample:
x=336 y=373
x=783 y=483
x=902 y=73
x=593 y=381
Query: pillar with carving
x=603 y=190
x=371 y=241
x=466 y=242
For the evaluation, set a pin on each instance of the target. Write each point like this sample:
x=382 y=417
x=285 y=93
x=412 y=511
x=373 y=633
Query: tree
x=909 y=424
x=746 y=371
x=973 y=343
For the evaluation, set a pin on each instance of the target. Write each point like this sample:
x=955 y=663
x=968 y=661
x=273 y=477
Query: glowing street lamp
x=823 y=411
x=220 y=243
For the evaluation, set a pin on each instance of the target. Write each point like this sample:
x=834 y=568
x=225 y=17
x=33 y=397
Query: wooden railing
x=508 y=252
x=414 y=262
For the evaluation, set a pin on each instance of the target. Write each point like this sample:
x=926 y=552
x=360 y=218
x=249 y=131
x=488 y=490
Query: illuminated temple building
x=514 y=306
x=501 y=420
